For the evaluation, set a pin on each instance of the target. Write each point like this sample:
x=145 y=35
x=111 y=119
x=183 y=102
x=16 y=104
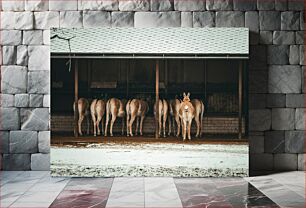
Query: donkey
x=135 y=108
x=174 y=107
x=198 y=115
x=186 y=113
x=82 y=108
x=97 y=110
x=162 y=115
x=114 y=108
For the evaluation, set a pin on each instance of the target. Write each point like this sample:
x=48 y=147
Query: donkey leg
x=141 y=124
x=198 y=125
x=189 y=127
x=111 y=125
x=80 y=124
x=98 y=125
x=159 y=124
x=178 y=124
x=184 y=129
x=169 y=123
x=164 y=124
x=106 y=124
x=122 y=129
x=131 y=124
x=102 y=125
x=127 y=124
x=93 y=117
x=137 y=125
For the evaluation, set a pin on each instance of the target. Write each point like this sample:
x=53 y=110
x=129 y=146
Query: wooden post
x=240 y=101
x=89 y=70
x=205 y=81
x=166 y=78
x=76 y=97
x=127 y=79
x=156 y=98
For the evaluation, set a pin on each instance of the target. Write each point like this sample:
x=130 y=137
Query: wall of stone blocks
x=276 y=78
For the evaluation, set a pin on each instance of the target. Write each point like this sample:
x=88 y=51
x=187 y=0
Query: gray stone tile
x=275 y=142
x=96 y=19
x=230 y=19
x=294 y=141
x=23 y=142
x=283 y=118
x=260 y=119
x=122 y=19
x=269 y=20
x=157 y=19
x=285 y=162
x=285 y=79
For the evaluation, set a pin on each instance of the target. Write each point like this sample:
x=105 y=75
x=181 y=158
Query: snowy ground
x=158 y=159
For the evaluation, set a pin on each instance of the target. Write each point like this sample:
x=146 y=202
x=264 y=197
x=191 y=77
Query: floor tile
x=201 y=192
x=277 y=192
x=295 y=181
x=81 y=198
x=35 y=199
x=7 y=176
x=125 y=200
x=161 y=192
x=89 y=183
x=128 y=185
x=157 y=183
x=50 y=184
x=163 y=198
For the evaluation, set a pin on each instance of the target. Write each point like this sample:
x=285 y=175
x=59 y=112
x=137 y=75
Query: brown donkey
x=198 y=115
x=186 y=114
x=83 y=105
x=135 y=108
x=174 y=107
x=97 y=111
x=114 y=108
x=162 y=115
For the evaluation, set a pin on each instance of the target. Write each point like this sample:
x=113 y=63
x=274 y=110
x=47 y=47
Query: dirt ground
x=62 y=140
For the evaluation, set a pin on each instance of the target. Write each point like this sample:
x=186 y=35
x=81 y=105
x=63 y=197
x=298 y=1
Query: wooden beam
x=156 y=98
x=240 y=92
x=76 y=97
x=89 y=67
x=127 y=78
x=166 y=77
x=205 y=80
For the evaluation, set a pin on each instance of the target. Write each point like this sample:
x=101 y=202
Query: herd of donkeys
x=179 y=112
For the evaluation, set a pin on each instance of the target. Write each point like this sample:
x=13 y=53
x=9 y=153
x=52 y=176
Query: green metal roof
x=146 y=41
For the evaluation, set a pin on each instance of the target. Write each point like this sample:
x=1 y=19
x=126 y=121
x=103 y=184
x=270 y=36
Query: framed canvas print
x=149 y=102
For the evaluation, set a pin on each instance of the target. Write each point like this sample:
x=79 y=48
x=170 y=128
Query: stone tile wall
x=276 y=68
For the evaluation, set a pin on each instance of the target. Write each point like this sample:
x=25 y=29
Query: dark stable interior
x=215 y=82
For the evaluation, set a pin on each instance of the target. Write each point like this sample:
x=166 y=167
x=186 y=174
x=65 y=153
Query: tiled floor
x=38 y=189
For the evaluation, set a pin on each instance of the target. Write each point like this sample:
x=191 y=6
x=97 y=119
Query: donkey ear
x=188 y=95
